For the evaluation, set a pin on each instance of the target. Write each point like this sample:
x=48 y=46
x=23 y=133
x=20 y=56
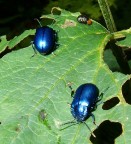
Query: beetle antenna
x=34 y=50
x=38 y=22
x=68 y=122
x=69 y=125
x=101 y=96
x=89 y=129
x=73 y=122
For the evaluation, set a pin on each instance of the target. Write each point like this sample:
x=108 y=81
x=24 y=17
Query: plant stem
x=107 y=15
x=117 y=51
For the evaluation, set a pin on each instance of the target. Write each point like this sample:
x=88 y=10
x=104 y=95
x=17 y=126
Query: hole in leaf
x=110 y=103
x=46 y=21
x=126 y=91
x=107 y=132
x=56 y=11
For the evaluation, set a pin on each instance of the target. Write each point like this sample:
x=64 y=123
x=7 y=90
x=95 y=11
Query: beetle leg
x=68 y=104
x=56 y=44
x=34 y=50
x=93 y=118
x=100 y=97
x=89 y=129
x=99 y=100
x=53 y=53
x=72 y=91
x=94 y=108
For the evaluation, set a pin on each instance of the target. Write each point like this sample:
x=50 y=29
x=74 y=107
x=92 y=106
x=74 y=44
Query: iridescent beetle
x=85 y=101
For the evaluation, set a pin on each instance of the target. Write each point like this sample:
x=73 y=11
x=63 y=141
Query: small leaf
x=3 y=43
x=12 y=43
x=127 y=40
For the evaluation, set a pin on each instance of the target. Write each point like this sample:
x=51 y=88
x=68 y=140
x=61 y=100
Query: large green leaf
x=34 y=92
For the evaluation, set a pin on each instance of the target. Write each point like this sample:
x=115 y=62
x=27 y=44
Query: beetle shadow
x=107 y=132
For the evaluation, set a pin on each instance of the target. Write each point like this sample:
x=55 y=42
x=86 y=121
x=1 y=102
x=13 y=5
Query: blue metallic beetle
x=84 y=102
x=45 y=40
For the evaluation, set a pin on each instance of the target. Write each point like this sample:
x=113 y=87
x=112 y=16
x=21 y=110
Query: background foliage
x=15 y=18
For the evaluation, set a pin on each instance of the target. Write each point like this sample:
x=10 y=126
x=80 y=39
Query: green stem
x=107 y=15
x=117 y=51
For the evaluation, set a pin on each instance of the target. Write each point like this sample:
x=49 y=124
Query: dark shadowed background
x=17 y=16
